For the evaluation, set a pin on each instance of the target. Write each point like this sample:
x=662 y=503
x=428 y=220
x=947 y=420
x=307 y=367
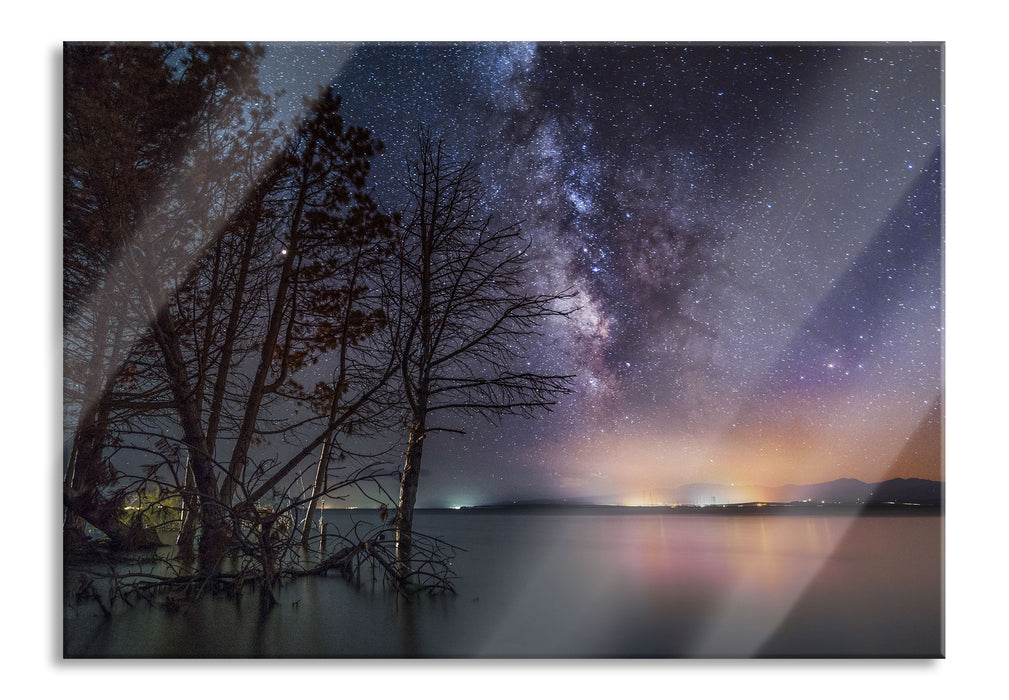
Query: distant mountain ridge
x=897 y=490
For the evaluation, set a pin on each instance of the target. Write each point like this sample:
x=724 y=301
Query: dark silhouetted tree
x=209 y=265
x=131 y=116
x=467 y=316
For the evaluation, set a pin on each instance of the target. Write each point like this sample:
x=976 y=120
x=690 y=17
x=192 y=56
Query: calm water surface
x=576 y=585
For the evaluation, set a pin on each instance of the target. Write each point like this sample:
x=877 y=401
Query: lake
x=590 y=585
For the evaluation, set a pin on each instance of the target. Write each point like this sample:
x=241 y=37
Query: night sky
x=755 y=233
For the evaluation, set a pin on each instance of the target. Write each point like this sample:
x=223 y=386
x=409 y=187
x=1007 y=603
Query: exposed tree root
x=262 y=565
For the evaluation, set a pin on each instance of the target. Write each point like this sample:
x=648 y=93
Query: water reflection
x=592 y=585
x=766 y=580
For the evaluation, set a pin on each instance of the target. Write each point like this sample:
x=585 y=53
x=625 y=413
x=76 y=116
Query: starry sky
x=754 y=231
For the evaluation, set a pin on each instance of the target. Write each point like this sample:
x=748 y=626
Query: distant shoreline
x=787 y=509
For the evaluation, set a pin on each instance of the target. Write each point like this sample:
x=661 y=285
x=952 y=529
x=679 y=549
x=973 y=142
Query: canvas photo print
x=503 y=350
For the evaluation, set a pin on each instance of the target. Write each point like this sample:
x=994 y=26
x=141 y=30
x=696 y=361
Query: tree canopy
x=230 y=282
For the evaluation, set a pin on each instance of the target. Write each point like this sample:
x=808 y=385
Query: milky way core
x=755 y=236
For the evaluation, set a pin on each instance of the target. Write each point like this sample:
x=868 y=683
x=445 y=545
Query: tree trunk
x=85 y=475
x=408 y=498
x=231 y=329
x=84 y=500
x=73 y=524
x=257 y=390
x=317 y=488
x=87 y=426
x=214 y=537
x=190 y=515
x=338 y=389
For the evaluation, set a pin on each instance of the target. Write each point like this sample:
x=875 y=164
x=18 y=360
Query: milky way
x=755 y=234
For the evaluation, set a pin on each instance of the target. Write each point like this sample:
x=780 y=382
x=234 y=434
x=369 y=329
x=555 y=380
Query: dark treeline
x=230 y=283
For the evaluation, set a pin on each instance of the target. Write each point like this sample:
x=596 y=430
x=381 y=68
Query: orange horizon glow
x=635 y=467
